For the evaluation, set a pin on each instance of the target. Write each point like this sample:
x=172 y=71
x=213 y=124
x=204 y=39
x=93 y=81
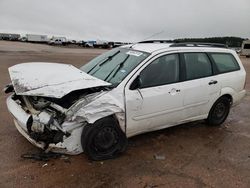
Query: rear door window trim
x=183 y=65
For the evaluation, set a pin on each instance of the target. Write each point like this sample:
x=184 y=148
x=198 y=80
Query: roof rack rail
x=198 y=44
x=156 y=41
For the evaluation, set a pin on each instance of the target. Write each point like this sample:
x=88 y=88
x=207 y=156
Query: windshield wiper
x=117 y=68
x=103 y=61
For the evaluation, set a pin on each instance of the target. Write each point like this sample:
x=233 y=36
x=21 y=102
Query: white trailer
x=101 y=44
x=37 y=38
x=245 y=49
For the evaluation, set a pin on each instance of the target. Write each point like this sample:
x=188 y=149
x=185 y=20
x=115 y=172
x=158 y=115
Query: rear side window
x=197 y=65
x=225 y=62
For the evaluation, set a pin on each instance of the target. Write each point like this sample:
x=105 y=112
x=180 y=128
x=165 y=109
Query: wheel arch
x=229 y=93
x=211 y=120
x=90 y=131
x=118 y=117
x=230 y=98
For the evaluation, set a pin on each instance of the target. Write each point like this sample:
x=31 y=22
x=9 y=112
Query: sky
x=127 y=20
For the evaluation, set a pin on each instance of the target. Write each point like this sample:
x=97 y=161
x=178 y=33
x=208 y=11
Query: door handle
x=173 y=91
x=213 y=82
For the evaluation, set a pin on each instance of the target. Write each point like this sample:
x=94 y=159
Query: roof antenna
x=153 y=35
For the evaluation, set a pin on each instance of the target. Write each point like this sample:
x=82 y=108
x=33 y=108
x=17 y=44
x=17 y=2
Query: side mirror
x=136 y=84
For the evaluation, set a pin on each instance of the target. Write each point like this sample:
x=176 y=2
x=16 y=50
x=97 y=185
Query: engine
x=46 y=119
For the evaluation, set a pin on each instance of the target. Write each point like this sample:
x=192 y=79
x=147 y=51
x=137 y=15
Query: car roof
x=161 y=47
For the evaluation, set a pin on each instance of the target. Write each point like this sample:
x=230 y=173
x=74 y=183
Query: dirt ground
x=196 y=155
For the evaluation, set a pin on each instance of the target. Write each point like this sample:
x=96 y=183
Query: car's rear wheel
x=219 y=111
x=103 y=140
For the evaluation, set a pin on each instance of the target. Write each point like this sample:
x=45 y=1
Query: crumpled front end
x=51 y=108
x=45 y=128
x=58 y=128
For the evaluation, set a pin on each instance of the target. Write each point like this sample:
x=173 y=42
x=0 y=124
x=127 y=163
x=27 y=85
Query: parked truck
x=9 y=36
x=245 y=49
x=57 y=41
x=37 y=38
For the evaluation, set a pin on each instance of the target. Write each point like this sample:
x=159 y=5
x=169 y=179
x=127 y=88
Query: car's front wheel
x=103 y=140
x=219 y=111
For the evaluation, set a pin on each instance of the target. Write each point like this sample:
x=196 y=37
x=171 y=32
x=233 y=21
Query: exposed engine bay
x=48 y=114
x=51 y=109
x=45 y=122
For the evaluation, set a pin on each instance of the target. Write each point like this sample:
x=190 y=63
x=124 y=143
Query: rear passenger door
x=200 y=84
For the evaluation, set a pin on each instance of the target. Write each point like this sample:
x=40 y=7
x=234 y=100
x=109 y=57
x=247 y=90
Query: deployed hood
x=50 y=79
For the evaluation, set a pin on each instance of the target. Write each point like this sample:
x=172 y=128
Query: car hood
x=50 y=79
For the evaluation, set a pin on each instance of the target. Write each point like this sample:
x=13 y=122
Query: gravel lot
x=191 y=155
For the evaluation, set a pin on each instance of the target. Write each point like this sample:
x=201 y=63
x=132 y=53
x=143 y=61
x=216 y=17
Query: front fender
x=101 y=107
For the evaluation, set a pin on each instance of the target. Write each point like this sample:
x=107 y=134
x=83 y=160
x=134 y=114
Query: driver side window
x=163 y=70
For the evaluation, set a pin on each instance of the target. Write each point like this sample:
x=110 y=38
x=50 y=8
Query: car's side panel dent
x=102 y=106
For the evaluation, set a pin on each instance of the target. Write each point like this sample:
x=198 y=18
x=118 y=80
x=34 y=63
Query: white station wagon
x=124 y=92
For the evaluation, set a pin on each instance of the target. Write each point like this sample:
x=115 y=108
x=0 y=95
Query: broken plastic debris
x=159 y=157
x=41 y=156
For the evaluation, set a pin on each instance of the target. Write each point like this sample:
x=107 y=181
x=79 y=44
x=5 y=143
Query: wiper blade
x=104 y=61
x=117 y=68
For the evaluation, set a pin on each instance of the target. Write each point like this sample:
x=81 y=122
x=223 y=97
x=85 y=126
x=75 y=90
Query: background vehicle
x=89 y=43
x=9 y=36
x=58 y=41
x=37 y=38
x=101 y=44
x=246 y=48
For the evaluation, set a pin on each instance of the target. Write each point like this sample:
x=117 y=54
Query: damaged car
x=124 y=92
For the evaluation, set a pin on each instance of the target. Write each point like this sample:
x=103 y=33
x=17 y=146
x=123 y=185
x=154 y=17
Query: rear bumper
x=70 y=145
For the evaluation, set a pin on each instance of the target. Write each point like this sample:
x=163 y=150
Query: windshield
x=114 y=65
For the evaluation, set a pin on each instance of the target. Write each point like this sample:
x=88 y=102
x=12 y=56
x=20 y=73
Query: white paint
x=137 y=111
x=50 y=79
x=158 y=107
x=17 y=112
x=102 y=106
x=36 y=38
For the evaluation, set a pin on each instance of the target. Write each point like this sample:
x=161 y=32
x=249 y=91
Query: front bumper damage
x=51 y=108
x=85 y=111
x=69 y=145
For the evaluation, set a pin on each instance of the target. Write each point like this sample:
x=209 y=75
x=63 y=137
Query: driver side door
x=157 y=102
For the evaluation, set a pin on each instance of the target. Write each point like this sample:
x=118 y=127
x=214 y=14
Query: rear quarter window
x=225 y=62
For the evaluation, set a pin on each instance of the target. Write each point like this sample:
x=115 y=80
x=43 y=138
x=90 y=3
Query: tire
x=219 y=111
x=103 y=140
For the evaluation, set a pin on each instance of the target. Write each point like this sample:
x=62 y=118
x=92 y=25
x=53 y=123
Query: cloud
x=130 y=20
